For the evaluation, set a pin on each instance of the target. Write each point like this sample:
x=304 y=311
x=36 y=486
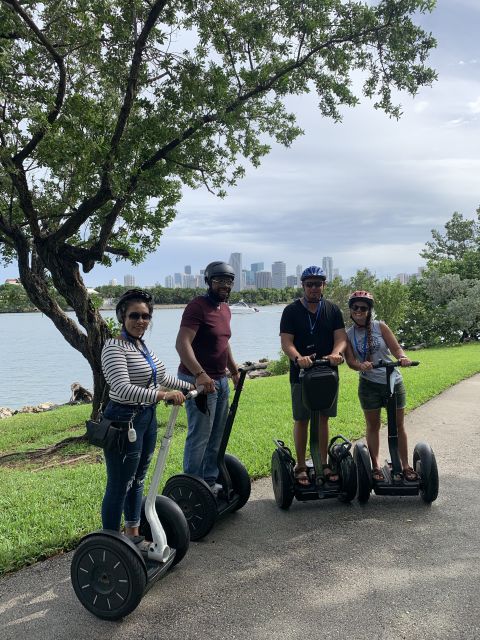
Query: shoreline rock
x=6 y=412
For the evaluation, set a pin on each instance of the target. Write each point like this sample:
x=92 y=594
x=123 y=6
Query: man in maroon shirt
x=205 y=354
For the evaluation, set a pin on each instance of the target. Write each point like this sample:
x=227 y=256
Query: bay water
x=38 y=365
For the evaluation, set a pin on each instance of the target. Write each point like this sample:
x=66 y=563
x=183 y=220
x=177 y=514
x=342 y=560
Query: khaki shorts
x=373 y=395
x=300 y=411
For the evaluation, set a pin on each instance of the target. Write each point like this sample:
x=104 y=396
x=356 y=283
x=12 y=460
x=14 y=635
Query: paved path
x=392 y=569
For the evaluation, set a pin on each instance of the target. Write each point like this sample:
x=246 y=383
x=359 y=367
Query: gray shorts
x=300 y=411
x=373 y=395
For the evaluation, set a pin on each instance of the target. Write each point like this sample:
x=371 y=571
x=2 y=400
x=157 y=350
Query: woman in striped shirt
x=136 y=378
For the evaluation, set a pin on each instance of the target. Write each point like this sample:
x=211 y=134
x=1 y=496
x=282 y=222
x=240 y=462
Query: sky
x=366 y=191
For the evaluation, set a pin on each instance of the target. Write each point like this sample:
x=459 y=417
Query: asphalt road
x=395 y=568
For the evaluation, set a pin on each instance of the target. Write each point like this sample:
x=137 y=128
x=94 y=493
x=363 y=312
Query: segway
x=319 y=385
x=201 y=505
x=394 y=484
x=110 y=573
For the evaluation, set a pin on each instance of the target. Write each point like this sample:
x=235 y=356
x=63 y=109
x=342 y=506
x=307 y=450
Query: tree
x=390 y=302
x=363 y=280
x=458 y=249
x=107 y=109
x=442 y=309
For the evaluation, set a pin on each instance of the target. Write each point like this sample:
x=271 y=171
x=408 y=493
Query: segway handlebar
x=320 y=362
x=193 y=393
x=391 y=365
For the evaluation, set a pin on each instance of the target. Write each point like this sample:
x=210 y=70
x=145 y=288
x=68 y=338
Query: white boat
x=242 y=307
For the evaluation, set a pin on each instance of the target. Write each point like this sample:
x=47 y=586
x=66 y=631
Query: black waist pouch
x=107 y=434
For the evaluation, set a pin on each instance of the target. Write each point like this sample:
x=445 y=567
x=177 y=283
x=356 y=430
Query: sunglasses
x=225 y=282
x=318 y=284
x=136 y=316
x=359 y=307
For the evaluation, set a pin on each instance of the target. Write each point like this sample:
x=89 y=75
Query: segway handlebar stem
x=159 y=549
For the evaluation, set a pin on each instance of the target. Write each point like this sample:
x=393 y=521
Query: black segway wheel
x=240 y=480
x=108 y=577
x=363 y=464
x=425 y=465
x=196 y=501
x=348 y=479
x=173 y=521
x=282 y=481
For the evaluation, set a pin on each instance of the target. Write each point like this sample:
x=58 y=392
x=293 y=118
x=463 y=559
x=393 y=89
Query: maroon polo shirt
x=210 y=345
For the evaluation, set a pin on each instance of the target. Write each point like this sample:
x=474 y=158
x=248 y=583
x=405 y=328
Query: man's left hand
x=235 y=379
x=335 y=358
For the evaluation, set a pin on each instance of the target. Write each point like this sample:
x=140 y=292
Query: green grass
x=46 y=511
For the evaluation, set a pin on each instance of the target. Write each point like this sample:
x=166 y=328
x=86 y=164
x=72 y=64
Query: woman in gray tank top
x=368 y=342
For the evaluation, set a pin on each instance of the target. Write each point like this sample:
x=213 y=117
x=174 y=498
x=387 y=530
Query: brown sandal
x=301 y=476
x=410 y=474
x=377 y=474
x=329 y=475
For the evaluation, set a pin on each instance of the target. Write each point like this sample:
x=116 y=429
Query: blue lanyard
x=363 y=353
x=145 y=353
x=317 y=315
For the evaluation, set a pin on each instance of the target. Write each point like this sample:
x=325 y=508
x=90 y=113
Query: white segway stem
x=159 y=549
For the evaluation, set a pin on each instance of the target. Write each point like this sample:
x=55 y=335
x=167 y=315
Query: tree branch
x=193 y=167
x=232 y=61
x=52 y=116
x=104 y=193
x=132 y=82
x=263 y=87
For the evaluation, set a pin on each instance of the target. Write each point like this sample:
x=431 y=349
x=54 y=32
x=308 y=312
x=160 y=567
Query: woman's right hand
x=174 y=397
x=366 y=366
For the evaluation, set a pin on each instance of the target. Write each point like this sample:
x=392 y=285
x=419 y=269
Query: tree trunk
x=68 y=282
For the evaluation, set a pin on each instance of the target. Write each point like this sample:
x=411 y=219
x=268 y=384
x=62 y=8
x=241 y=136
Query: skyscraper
x=257 y=266
x=263 y=279
x=298 y=271
x=128 y=280
x=188 y=269
x=279 y=275
x=177 y=280
x=327 y=265
x=189 y=281
x=169 y=282
x=236 y=262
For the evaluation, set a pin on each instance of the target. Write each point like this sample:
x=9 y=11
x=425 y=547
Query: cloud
x=475 y=105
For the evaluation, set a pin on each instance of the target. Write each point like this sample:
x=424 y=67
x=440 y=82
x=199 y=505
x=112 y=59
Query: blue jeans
x=205 y=431
x=126 y=471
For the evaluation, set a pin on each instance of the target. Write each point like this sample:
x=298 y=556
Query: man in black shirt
x=311 y=327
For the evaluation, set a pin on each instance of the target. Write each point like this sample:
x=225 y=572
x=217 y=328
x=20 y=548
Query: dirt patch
x=25 y=462
x=51 y=456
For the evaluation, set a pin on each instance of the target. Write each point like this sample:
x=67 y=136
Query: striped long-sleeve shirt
x=129 y=375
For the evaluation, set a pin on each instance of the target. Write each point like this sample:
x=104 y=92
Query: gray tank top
x=379 y=351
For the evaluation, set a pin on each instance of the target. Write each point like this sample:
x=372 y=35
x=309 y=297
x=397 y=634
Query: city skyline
x=258 y=277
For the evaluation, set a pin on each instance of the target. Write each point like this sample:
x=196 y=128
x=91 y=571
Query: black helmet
x=218 y=269
x=132 y=294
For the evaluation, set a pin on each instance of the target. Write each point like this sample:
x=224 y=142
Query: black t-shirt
x=312 y=334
